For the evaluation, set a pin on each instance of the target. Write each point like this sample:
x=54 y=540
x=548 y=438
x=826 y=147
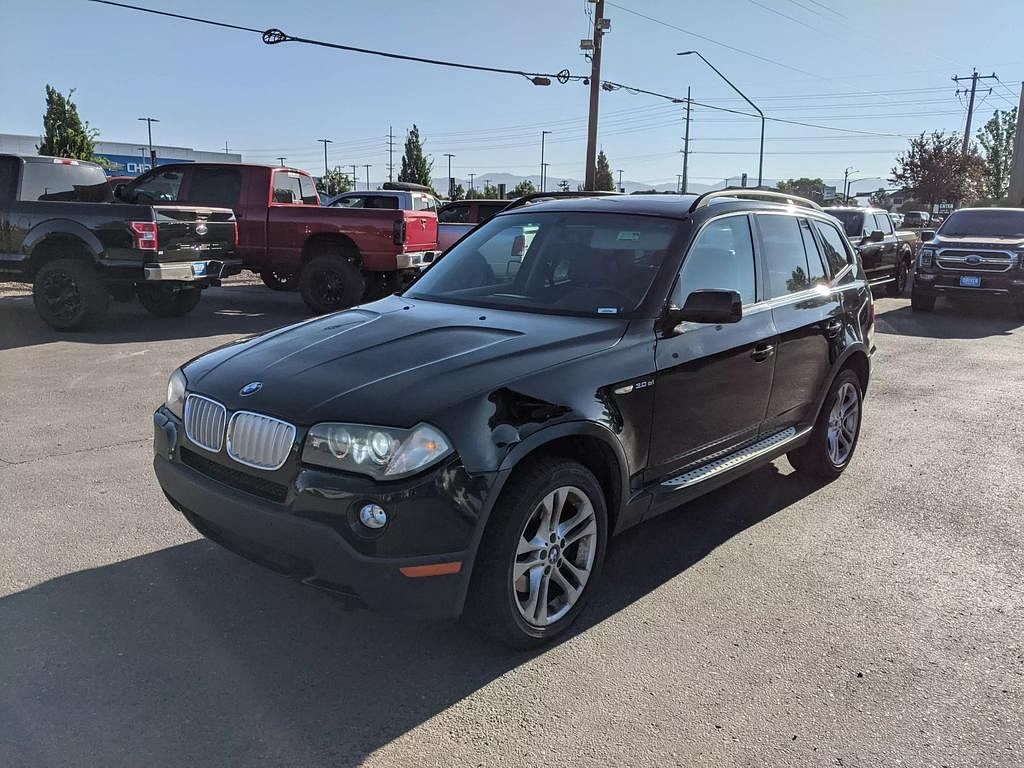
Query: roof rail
x=537 y=197
x=769 y=195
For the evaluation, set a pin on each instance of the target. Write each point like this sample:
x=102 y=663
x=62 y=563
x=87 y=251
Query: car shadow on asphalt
x=193 y=656
x=960 y=320
x=230 y=310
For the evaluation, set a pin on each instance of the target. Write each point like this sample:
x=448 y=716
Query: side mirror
x=927 y=234
x=714 y=307
x=876 y=236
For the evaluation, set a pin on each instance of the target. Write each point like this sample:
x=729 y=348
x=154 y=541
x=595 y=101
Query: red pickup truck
x=337 y=257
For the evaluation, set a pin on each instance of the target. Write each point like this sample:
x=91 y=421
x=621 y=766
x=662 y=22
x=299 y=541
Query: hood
x=394 y=362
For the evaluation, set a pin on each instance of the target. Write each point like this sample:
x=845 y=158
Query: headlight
x=925 y=257
x=381 y=452
x=175 y=402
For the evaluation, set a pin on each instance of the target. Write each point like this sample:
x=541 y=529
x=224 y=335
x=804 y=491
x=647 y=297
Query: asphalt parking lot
x=875 y=621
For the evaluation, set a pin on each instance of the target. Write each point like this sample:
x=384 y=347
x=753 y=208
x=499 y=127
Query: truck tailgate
x=420 y=231
x=188 y=234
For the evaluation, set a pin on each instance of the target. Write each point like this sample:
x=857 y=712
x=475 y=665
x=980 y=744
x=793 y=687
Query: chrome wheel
x=555 y=556
x=843 y=421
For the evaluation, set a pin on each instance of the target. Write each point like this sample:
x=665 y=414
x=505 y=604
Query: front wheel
x=834 y=438
x=541 y=554
x=164 y=301
x=899 y=285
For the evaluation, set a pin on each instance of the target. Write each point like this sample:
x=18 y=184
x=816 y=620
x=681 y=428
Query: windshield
x=993 y=223
x=564 y=263
x=853 y=220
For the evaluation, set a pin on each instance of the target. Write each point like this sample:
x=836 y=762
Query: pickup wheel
x=165 y=301
x=899 y=285
x=279 y=281
x=331 y=282
x=921 y=303
x=69 y=295
x=834 y=437
x=540 y=555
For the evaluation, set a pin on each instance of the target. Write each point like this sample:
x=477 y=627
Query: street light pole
x=281 y=160
x=451 y=181
x=471 y=177
x=543 y=180
x=325 y=143
x=367 y=167
x=846 y=184
x=149 y=128
x=619 y=171
x=760 y=160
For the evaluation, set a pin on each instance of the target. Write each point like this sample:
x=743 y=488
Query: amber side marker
x=436 y=569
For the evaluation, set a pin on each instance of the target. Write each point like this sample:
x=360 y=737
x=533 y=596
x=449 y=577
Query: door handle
x=833 y=327
x=762 y=352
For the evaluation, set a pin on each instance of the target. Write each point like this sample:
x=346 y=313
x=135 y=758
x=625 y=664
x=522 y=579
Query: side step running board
x=733 y=460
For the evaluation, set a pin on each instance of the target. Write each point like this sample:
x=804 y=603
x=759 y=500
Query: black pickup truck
x=887 y=257
x=61 y=231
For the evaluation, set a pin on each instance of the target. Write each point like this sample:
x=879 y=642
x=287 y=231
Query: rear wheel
x=165 y=301
x=540 y=555
x=899 y=285
x=279 y=281
x=69 y=295
x=834 y=437
x=919 y=302
x=331 y=282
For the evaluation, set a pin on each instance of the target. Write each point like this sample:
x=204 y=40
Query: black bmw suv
x=564 y=372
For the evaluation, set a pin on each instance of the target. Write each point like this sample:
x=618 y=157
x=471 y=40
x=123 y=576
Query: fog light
x=373 y=516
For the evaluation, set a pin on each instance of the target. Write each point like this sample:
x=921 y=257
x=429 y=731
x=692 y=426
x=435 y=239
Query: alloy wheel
x=843 y=421
x=555 y=556
x=62 y=296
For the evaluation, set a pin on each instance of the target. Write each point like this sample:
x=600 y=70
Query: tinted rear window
x=853 y=220
x=454 y=214
x=215 y=186
x=61 y=182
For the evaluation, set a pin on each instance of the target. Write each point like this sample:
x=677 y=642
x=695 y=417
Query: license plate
x=198 y=268
x=970 y=281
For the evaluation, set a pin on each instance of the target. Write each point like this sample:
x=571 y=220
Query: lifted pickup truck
x=395 y=195
x=976 y=252
x=337 y=257
x=60 y=231
x=888 y=256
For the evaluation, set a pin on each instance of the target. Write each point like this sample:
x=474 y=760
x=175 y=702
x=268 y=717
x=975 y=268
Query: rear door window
x=487 y=210
x=784 y=256
x=817 y=274
x=64 y=182
x=215 y=186
x=834 y=246
x=454 y=214
x=424 y=203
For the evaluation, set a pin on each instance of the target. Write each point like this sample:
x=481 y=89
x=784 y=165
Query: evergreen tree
x=603 y=180
x=334 y=182
x=64 y=133
x=524 y=187
x=490 y=192
x=415 y=166
x=996 y=139
x=458 y=193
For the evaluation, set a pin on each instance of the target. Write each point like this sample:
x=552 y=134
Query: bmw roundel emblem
x=251 y=388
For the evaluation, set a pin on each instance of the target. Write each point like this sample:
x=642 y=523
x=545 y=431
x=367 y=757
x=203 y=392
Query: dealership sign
x=129 y=165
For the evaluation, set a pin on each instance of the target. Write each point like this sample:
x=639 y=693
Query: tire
x=919 y=302
x=823 y=456
x=331 y=282
x=500 y=605
x=69 y=295
x=899 y=285
x=279 y=281
x=164 y=301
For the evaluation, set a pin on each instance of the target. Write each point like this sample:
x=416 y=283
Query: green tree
x=64 y=133
x=881 y=199
x=603 y=180
x=415 y=166
x=996 y=139
x=334 y=182
x=563 y=185
x=524 y=187
x=472 y=193
x=802 y=187
x=490 y=191
x=459 y=193
x=934 y=170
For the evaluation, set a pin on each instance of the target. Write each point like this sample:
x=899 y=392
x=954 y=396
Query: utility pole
x=149 y=128
x=391 y=154
x=601 y=24
x=846 y=184
x=686 y=142
x=619 y=171
x=281 y=160
x=1017 y=161
x=367 y=167
x=451 y=181
x=974 y=78
x=225 y=146
x=355 y=179
x=471 y=177
x=542 y=163
x=325 y=143
x=679 y=184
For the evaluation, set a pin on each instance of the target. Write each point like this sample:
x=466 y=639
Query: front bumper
x=417 y=566
x=1006 y=285
x=415 y=260
x=191 y=271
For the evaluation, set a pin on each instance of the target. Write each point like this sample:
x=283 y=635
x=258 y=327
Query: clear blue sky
x=874 y=66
